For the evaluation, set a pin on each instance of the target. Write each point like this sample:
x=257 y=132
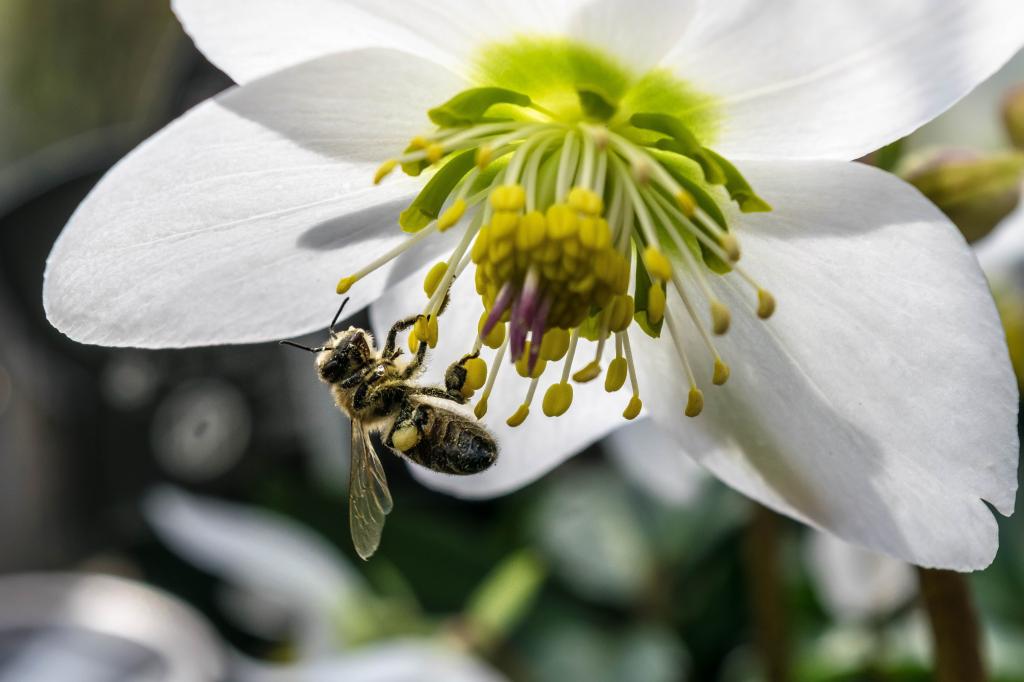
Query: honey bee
x=390 y=412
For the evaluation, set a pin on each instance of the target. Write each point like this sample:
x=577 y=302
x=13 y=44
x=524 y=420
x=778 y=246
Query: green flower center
x=587 y=197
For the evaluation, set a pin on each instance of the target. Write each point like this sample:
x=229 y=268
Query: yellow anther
x=405 y=438
x=720 y=318
x=345 y=283
x=417 y=143
x=721 y=374
x=508 y=198
x=586 y=201
x=641 y=172
x=480 y=409
x=657 y=264
x=451 y=216
x=414 y=341
x=523 y=364
x=503 y=225
x=421 y=328
x=694 y=402
x=481 y=245
x=384 y=170
x=616 y=376
x=595 y=233
x=432 y=332
x=620 y=313
x=731 y=246
x=765 y=304
x=531 y=231
x=434 y=152
x=655 y=303
x=497 y=335
x=588 y=373
x=476 y=373
x=633 y=408
x=555 y=344
x=434 y=278
x=686 y=203
x=557 y=399
x=483 y=157
x=519 y=417
x=562 y=221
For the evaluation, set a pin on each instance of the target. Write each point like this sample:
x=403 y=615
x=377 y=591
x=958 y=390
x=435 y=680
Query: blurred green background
x=599 y=571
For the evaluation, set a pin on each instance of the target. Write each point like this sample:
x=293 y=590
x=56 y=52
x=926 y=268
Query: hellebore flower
x=599 y=167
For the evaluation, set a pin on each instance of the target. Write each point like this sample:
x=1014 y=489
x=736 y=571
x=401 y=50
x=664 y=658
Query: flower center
x=583 y=214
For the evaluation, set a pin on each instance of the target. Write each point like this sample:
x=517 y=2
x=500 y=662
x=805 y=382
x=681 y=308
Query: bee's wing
x=369 y=499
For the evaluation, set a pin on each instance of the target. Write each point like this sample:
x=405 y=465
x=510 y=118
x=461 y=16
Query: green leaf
x=595 y=105
x=427 y=205
x=682 y=141
x=470 y=106
x=503 y=599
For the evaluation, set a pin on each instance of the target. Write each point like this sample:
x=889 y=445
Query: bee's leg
x=437 y=392
x=408 y=429
x=414 y=365
x=390 y=350
x=455 y=377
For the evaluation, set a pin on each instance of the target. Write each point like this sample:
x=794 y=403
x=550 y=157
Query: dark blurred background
x=218 y=476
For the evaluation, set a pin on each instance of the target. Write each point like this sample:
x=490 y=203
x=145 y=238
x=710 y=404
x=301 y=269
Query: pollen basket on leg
x=584 y=217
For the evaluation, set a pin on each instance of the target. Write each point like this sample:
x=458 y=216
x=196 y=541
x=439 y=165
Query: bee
x=390 y=412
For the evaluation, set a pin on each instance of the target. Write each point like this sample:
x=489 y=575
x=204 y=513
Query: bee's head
x=345 y=354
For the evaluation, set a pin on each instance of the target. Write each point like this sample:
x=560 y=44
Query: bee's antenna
x=338 y=314
x=299 y=345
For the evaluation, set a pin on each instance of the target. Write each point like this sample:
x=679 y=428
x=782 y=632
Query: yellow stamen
x=508 y=198
x=483 y=157
x=481 y=407
x=586 y=201
x=721 y=374
x=519 y=416
x=655 y=303
x=616 y=376
x=345 y=283
x=497 y=334
x=557 y=399
x=554 y=344
x=657 y=264
x=452 y=216
x=694 y=402
x=686 y=203
x=417 y=143
x=476 y=373
x=633 y=408
x=588 y=373
x=433 y=277
x=765 y=304
x=434 y=152
x=523 y=364
x=720 y=318
x=384 y=170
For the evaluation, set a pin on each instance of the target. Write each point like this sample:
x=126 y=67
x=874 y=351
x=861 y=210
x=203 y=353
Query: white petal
x=855 y=584
x=878 y=403
x=541 y=443
x=252 y=38
x=234 y=223
x=836 y=80
x=398 y=661
x=1001 y=252
x=254 y=549
x=655 y=461
x=249 y=39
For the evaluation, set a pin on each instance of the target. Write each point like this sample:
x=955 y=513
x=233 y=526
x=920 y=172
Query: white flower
x=878 y=403
x=278 y=564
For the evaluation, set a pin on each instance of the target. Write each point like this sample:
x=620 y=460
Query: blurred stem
x=767 y=594
x=956 y=634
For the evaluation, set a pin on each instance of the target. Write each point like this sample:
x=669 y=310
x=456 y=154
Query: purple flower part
x=537 y=331
x=501 y=304
x=517 y=330
x=530 y=296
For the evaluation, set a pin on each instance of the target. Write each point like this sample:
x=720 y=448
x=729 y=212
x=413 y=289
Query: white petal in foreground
x=234 y=223
x=836 y=80
x=878 y=403
x=656 y=462
x=525 y=453
x=855 y=584
x=269 y=557
x=399 y=661
x=1001 y=252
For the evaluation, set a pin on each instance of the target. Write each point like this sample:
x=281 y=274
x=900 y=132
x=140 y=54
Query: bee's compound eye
x=330 y=371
